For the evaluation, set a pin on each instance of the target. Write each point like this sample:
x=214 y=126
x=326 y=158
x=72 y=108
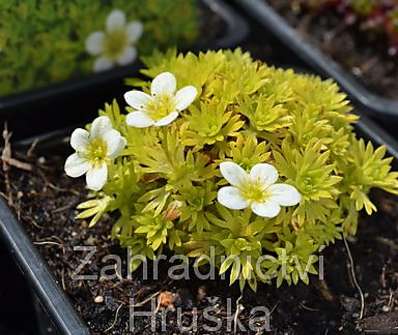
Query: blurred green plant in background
x=43 y=41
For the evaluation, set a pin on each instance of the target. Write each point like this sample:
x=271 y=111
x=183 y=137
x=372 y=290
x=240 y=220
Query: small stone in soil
x=385 y=309
x=99 y=299
x=166 y=299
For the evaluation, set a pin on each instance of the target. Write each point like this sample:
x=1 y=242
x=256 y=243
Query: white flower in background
x=256 y=190
x=116 y=44
x=94 y=150
x=162 y=106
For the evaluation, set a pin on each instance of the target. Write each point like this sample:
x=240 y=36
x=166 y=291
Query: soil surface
x=44 y=200
x=363 y=53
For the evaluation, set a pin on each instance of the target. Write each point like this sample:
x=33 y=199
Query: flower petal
x=100 y=126
x=122 y=144
x=102 y=64
x=76 y=166
x=139 y=120
x=128 y=56
x=284 y=194
x=266 y=174
x=164 y=83
x=95 y=43
x=113 y=141
x=137 y=99
x=96 y=177
x=233 y=173
x=231 y=197
x=267 y=209
x=116 y=20
x=166 y=120
x=79 y=139
x=185 y=96
x=134 y=31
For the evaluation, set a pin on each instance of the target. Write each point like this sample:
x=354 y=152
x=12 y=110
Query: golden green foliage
x=164 y=186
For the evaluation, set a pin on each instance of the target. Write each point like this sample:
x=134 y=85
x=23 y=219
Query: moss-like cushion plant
x=224 y=154
x=46 y=41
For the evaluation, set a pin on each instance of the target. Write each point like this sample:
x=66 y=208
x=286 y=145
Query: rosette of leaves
x=43 y=41
x=163 y=187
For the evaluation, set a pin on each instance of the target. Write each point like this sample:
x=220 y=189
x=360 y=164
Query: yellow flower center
x=96 y=151
x=253 y=191
x=161 y=106
x=115 y=43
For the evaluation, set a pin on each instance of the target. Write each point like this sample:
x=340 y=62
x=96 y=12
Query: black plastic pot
x=49 y=295
x=372 y=103
x=55 y=313
x=38 y=111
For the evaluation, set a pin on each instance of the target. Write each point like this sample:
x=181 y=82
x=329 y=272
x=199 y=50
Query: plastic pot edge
x=34 y=268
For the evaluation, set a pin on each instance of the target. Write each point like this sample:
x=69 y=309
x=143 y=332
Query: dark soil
x=212 y=27
x=363 y=53
x=44 y=200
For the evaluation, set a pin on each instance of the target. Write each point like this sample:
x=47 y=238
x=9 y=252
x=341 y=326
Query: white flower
x=94 y=150
x=116 y=44
x=162 y=106
x=256 y=189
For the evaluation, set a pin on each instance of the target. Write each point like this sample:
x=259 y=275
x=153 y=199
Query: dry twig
x=115 y=320
x=6 y=155
x=351 y=266
x=239 y=309
x=7 y=161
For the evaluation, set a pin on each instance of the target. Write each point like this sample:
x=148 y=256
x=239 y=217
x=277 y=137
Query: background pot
x=66 y=103
x=372 y=103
